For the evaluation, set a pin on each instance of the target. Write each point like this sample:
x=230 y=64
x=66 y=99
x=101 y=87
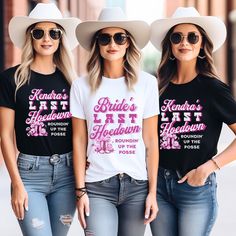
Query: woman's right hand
x=19 y=201
x=83 y=209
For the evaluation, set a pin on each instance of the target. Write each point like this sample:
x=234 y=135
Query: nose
x=112 y=42
x=46 y=36
x=184 y=39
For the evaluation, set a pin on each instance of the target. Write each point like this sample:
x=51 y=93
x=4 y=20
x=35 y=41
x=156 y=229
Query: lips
x=112 y=51
x=46 y=46
x=184 y=50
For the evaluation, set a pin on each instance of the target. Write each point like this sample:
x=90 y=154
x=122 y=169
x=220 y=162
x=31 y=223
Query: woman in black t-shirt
x=34 y=103
x=194 y=104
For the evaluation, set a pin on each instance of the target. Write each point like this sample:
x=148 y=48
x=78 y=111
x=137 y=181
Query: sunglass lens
x=37 y=33
x=120 y=38
x=175 y=38
x=104 y=39
x=193 y=38
x=55 y=34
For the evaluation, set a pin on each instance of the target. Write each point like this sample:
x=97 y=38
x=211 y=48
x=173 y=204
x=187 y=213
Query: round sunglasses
x=105 y=39
x=177 y=37
x=54 y=34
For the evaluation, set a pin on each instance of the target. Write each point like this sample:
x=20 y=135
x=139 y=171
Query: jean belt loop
x=37 y=162
x=67 y=159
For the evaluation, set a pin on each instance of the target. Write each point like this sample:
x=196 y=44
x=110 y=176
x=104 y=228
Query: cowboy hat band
x=41 y=13
x=213 y=26
x=113 y=17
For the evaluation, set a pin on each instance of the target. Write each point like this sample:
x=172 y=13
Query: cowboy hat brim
x=214 y=27
x=19 y=24
x=140 y=31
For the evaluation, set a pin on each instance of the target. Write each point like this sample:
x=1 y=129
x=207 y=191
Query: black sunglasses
x=119 y=38
x=54 y=34
x=177 y=37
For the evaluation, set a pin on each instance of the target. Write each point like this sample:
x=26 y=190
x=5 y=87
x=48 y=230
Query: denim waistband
x=52 y=160
x=169 y=172
x=175 y=174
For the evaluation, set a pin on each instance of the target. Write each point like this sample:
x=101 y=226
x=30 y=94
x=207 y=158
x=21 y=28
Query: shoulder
x=81 y=80
x=81 y=83
x=213 y=85
x=146 y=78
x=9 y=73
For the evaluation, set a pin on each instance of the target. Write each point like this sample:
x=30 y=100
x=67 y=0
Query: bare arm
x=150 y=138
x=79 y=162
x=229 y=154
x=19 y=195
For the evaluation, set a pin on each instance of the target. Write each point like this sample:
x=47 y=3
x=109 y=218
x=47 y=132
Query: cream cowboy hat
x=113 y=17
x=42 y=12
x=214 y=27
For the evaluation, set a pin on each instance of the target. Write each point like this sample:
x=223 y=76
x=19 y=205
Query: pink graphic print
x=169 y=141
x=40 y=102
x=112 y=119
x=103 y=146
x=37 y=129
x=171 y=115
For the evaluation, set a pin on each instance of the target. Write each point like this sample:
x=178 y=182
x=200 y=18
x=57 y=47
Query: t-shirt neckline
x=185 y=84
x=113 y=79
x=41 y=74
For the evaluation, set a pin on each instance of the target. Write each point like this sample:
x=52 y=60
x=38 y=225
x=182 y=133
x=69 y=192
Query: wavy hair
x=168 y=68
x=62 y=58
x=95 y=63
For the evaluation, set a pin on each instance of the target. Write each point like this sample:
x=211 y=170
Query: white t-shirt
x=114 y=117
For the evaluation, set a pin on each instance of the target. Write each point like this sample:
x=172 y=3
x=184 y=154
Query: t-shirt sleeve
x=7 y=90
x=151 y=107
x=76 y=106
x=223 y=103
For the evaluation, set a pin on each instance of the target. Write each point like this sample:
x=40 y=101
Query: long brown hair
x=168 y=68
x=130 y=64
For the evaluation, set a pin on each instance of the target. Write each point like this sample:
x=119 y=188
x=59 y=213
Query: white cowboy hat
x=113 y=17
x=42 y=12
x=214 y=27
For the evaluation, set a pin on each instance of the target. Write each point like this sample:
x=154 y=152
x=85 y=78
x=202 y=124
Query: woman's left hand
x=151 y=208
x=197 y=177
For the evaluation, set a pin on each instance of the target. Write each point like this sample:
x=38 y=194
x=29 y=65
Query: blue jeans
x=49 y=182
x=184 y=210
x=117 y=206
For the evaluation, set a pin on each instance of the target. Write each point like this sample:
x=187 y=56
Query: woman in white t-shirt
x=114 y=110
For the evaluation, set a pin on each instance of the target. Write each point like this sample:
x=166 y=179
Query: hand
x=19 y=201
x=151 y=208
x=197 y=177
x=83 y=209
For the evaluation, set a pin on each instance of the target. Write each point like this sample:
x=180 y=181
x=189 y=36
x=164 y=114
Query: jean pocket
x=104 y=181
x=139 y=182
x=207 y=183
x=25 y=165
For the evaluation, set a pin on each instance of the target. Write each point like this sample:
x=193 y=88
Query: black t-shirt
x=42 y=113
x=190 y=122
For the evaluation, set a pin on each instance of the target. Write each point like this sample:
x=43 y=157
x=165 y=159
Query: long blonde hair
x=62 y=58
x=130 y=63
x=168 y=68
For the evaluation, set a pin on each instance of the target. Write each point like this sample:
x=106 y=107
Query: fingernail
x=87 y=213
x=26 y=208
